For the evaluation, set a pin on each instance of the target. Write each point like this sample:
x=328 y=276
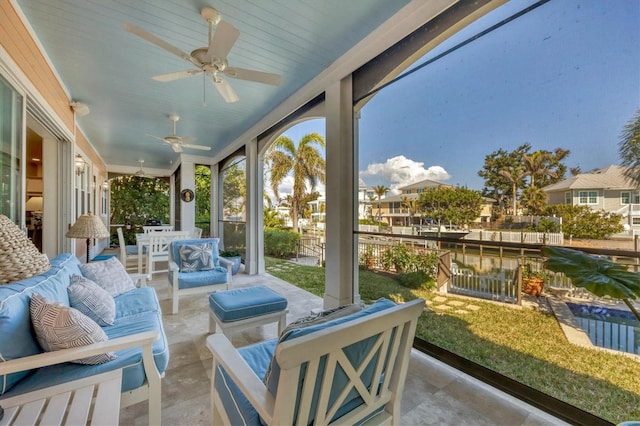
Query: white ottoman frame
x=216 y=325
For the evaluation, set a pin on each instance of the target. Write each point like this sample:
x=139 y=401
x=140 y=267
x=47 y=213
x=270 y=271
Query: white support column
x=340 y=249
x=254 y=257
x=214 y=202
x=187 y=209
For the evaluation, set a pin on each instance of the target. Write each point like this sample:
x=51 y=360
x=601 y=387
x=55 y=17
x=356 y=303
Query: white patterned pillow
x=92 y=300
x=196 y=257
x=110 y=275
x=61 y=327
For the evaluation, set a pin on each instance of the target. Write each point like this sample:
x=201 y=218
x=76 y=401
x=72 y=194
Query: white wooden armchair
x=346 y=371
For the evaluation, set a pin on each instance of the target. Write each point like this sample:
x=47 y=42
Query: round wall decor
x=186 y=195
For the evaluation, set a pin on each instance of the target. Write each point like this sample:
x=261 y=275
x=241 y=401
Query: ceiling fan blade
x=155 y=137
x=176 y=147
x=251 y=75
x=159 y=42
x=225 y=90
x=201 y=147
x=223 y=40
x=176 y=75
x=187 y=139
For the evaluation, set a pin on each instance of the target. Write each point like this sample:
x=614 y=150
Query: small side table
x=93 y=400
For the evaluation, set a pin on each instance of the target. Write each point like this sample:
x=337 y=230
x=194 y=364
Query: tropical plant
x=229 y=253
x=396 y=257
x=305 y=162
x=583 y=222
x=629 y=148
x=446 y=204
x=271 y=218
x=534 y=200
x=135 y=199
x=600 y=276
x=380 y=191
x=234 y=190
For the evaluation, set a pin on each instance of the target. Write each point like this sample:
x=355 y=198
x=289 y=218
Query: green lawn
x=524 y=344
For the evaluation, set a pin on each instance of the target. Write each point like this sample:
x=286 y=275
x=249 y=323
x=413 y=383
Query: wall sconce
x=105 y=186
x=80 y=164
x=80 y=108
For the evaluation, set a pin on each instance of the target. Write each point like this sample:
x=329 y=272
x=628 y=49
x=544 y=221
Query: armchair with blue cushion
x=195 y=267
x=346 y=367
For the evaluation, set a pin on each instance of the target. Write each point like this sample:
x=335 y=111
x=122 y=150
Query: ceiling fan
x=140 y=173
x=212 y=59
x=178 y=142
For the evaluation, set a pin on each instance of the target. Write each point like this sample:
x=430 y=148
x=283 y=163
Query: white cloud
x=400 y=171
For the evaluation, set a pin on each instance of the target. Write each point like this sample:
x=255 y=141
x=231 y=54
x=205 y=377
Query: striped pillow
x=110 y=275
x=61 y=327
x=92 y=300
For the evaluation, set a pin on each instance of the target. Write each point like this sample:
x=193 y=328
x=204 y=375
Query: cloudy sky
x=565 y=75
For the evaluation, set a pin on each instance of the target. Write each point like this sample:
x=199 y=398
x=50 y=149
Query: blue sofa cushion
x=196 y=257
x=92 y=300
x=62 y=327
x=138 y=312
x=17 y=337
x=109 y=274
x=239 y=409
x=242 y=303
x=216 y=275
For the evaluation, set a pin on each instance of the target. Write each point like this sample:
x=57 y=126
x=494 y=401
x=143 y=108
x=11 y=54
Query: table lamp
x=88 y=226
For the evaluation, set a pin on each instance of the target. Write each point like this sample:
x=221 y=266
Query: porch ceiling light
x=80 y=164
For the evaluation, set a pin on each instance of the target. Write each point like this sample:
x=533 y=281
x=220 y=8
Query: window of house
x=568 y=198
x=625 y=197
x=635 y=220
x=11 y=104
x=588 y=197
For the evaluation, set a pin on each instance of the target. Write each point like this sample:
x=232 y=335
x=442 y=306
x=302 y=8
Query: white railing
x=550 y=238
x=497 y=286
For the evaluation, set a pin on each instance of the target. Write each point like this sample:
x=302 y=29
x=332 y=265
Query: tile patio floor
x=435 y=393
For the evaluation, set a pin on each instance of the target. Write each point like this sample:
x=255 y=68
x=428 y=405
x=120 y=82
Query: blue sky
x=565 y=75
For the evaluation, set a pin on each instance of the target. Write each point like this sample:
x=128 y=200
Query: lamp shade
x=88 y=226
x=34 y=204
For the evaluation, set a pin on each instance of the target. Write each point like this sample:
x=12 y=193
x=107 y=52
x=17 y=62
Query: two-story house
x=605 y=189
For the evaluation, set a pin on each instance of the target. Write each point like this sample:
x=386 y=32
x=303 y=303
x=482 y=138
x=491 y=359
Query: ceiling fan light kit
x=212 y=59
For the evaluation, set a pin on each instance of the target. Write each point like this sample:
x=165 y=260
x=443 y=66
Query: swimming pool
x=608 y=327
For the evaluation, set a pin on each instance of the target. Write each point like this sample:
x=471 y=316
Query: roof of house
x=427 y=183
x=610 y=177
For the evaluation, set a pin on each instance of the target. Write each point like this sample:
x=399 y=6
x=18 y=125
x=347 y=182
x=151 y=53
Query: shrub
x=396 y=257
x=279 y=242
x=416 y=280
x=367 y=258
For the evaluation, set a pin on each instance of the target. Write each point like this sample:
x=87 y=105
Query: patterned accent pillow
x=92 y=300
x=196 y=257
x=110 y=275
x=61 y=327
x=313 y=319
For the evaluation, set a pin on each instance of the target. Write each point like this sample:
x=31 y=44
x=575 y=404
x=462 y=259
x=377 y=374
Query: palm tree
x=629 y=148
x=514 y=175
x=305 y=162
x=536 y=165
x=411 y=206
x=380 y=191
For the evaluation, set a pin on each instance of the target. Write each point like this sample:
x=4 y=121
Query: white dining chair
x=158 y=248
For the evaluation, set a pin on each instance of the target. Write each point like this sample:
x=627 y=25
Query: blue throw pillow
x=92 y=300
x=196 y=257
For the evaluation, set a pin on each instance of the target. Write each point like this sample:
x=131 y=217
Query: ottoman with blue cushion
x=231 y=311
